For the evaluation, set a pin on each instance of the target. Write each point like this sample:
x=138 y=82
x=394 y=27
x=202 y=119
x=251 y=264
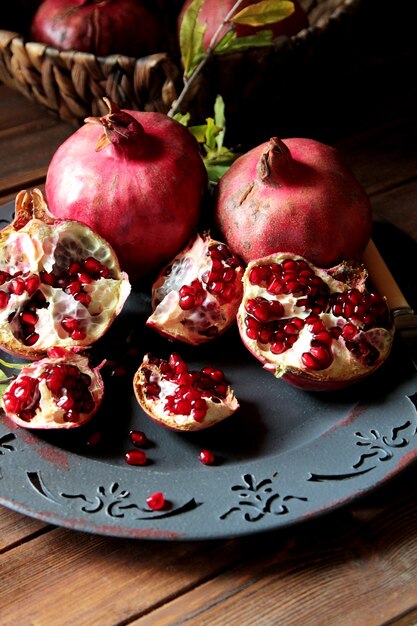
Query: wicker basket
x=72 y=84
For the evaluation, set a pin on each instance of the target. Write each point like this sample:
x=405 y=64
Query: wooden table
x=354 y=567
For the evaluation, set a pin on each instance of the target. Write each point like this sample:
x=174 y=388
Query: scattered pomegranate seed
x=135 y=457
x=206 y=457
x=138 y=439
x=156 y=501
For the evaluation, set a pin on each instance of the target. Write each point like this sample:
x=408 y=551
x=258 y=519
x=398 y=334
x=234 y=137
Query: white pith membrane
x=218 y=408
x=345 y=367
x=204 y=321
x=41 y=247
x=47 y=413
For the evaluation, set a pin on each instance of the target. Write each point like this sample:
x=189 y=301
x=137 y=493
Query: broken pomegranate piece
x=56 y=392
x=196 y=297
x=60 y=283
x=318 y=329
x=182 y=399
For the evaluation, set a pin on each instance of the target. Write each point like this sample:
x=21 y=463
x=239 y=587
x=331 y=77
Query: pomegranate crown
x=120 y=128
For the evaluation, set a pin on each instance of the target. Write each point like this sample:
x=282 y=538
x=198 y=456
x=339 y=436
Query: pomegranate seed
x=354 y=296
x=32 y=284
x=84 y=278
x=156 y=501
x=28 y=318
x=322 y=354
x=65 y=402
x=349 y=331
x=228 y=275
x=74 y=287
x=69 y=323
x=17 y=286
x=136 y=457
x=310 y=362
x=74 y=268
x=206 y=457
x=199 y=414
x=48 y=278
x=4 y=299
x=323 y=337
x=78 y=335
x=278 y=347
x=187 y=302
x=138 y=439
x=31 y=339
x=92 y=266
x=84 y=298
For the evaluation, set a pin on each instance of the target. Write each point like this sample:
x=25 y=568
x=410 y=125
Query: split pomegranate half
x=55 y=392
x=182 y=399
x=318 y=329
x=196 y=297
x=60 y=282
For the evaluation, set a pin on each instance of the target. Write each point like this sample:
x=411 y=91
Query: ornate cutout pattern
x=259 y=499
x=378 y=446
x=113 y=501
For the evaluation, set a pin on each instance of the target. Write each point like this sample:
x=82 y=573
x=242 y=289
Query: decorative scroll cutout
x=379 y=447
x=259 y=499
x=112 y=501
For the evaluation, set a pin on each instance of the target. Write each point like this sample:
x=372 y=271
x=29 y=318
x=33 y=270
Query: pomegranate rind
x=48 y=415
x=345 y=369
x=217 y=411
x=297 y=195
x=204 y=322
x=32 y=243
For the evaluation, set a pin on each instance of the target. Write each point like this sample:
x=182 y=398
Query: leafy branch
x=224 y=40
x=210 y=136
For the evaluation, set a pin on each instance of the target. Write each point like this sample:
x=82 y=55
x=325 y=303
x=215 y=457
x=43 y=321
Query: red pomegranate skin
x=296 y=195
x=143 y=196
x=101 y=27
x=213 y=13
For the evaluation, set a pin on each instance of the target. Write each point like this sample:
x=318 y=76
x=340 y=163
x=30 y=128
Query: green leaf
x=191 y=37
x=265 y=12
x=199 y=132
x=217 y=163
x=236 y=44
x=211 y=134
x=220 y=121
x=182 y=118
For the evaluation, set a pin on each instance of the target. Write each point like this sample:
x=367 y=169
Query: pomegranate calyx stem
x=119 y=127
x=275 y=164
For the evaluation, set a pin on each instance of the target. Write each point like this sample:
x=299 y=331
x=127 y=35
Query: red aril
x=180 y=398
x=317 y=329
x=196 y=297
x=60 y=282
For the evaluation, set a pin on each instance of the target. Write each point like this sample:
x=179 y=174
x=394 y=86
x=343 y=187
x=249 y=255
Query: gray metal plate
x=286 y=456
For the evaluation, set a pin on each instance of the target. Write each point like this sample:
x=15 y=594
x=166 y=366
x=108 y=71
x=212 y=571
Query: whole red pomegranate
x=214 y=12
x=180 y=398
x=318 y=329
x=137 y=179
x=60 y=391
x=101 y=27
x=60 y=282
x=196 y=297
x=296 y=195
